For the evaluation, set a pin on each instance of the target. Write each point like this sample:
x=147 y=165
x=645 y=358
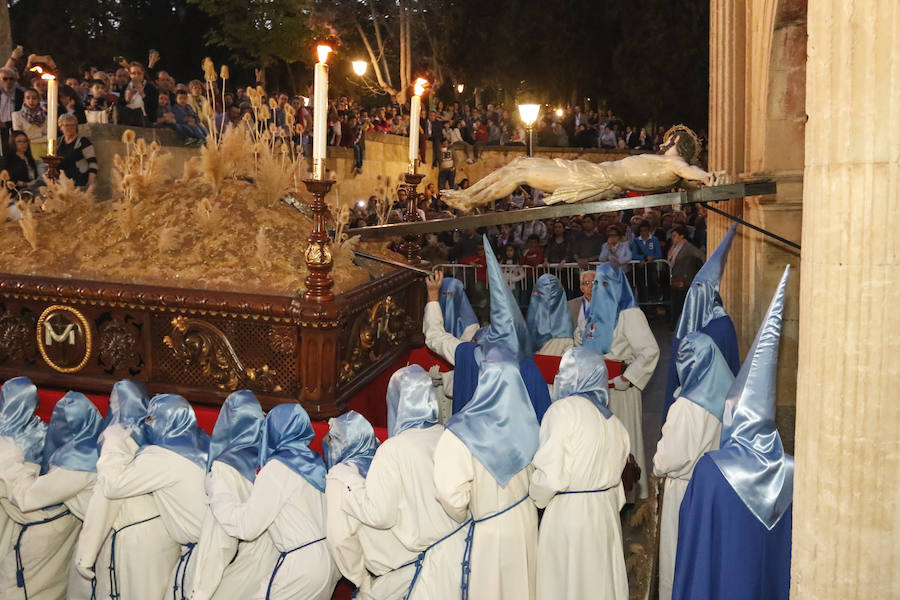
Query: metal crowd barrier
x=649 y=281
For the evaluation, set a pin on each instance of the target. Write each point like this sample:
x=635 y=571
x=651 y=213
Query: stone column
x=846 y=541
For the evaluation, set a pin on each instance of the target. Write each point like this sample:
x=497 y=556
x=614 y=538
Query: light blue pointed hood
x=751 y=456
x=455 y=307
x=286 y=439
x=507 y=328
x=350 y=440
x=18 y=404
x=172 y=424
x=498 y=424
x=610 y=296
x=548 y=312
x=71 y=440
x=704 y=375
x=411 y=400
x=237 y=435
x=703 y=303
x=582 y=372
x=128 y=403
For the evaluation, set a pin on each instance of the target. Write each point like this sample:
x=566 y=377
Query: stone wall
x=383 y=167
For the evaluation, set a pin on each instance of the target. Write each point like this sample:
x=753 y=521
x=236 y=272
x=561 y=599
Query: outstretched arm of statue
x=690 y=173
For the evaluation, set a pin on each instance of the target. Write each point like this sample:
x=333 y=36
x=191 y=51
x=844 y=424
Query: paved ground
x=639 y=522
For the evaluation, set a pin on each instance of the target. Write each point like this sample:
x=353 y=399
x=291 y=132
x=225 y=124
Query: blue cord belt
x=280 y=562
x=584 y=491
x=20 y=568
x=113 y=576
x=467 y=554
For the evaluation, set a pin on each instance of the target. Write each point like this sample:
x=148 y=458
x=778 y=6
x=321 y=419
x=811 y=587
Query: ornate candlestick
x=318 y=252
x=411 y=244
x=52 y=162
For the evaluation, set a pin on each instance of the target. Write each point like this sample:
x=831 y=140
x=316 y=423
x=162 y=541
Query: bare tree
x=376 y=44
x=6 y=44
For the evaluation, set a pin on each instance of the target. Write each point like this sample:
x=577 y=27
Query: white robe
x=444 y=344
x=504 y=548
x=399 y=495
x=177 y=487
x=226 y=569
x=690 y=431
x=556 y=346
x=633 y=343
x=46 y=549
x=293 y=512
x=580 y=553
x=30 y=492
x=373 y=559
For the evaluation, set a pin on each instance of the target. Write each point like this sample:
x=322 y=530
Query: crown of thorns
x=684 y=129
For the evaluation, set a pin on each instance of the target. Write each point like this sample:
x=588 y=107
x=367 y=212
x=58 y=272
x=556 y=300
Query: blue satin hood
x=498 y=424
x=751 y=456
x=18 y=404
x=455 y=307
x=171 y=424
x=286 y=439
x=350 y=440
x=703 y=303
x=71 y=440
x=610 y=296
x=582 y=372
x=411 y=400
x=548 y=312
x=704 y=375
x=128 y=403
x=238 y=433
x=507 y=328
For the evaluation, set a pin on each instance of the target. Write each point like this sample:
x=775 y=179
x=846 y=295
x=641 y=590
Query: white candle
x=52 y=104
x=320 y=114
x=415 y=110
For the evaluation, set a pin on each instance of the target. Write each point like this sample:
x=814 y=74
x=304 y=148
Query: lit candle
x=415 y=111
x=320 y=113
x=52 y=106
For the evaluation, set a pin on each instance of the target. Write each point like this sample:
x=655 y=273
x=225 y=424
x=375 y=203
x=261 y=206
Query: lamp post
x=529 y=114
x=360 y=67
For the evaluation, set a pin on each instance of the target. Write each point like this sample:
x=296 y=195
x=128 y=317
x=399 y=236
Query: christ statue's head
x=681 y=141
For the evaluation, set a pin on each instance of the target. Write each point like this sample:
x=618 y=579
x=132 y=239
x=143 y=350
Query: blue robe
x=724 y=551
x=465 y=379
x=721 y=330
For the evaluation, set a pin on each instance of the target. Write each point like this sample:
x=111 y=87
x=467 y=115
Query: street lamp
x=360 y=67
x=529 y=114
x=460 y=87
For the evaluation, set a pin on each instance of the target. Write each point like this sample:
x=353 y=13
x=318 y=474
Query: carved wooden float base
x=203 y=344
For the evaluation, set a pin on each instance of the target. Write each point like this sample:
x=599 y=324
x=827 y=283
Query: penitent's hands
x=433 y=285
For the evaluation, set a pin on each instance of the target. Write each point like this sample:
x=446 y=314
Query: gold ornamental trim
x=88 y=337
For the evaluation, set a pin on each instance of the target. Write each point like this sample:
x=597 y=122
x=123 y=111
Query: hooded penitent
x=171 y=424
x=286 y=438
x=610 y=296
x=498 y=425
x=582 y=372
x=128 y=403
x=548 y=313
x=705 y=376
x=411 y=400
x=18 y=404
x=71 y=441
x=703 y=311
x=237 y=435
x=507 y=331
x=351 y=440
x=455 y=307
x=751 y=456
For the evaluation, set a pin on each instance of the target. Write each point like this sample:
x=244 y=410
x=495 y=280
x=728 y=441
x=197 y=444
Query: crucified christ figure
x=575 y=180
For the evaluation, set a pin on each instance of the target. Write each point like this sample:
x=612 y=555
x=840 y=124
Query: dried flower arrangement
x=221 y=226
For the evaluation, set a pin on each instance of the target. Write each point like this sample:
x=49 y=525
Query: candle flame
x=419 y=86
x=44 y=75
x=323 y=51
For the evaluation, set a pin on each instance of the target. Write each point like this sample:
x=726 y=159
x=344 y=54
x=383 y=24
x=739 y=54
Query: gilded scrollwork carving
x=373 y=333
x=199 y=343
